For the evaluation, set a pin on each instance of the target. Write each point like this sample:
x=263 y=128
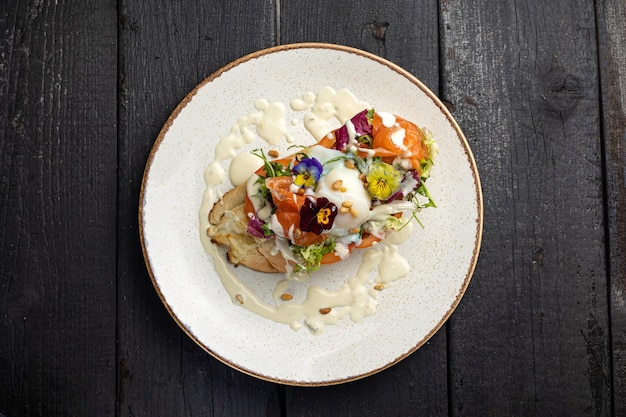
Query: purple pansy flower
x=317 y=215
x=307 y=172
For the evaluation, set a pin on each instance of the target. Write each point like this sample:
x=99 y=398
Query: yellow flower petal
x=383 y=180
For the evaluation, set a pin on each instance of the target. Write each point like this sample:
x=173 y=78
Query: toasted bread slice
x=229 y=227
x=229 y=201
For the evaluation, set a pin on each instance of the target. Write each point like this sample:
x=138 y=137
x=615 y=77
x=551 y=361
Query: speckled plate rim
x=381 y=61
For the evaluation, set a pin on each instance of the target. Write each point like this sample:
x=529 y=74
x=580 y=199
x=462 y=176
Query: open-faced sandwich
x=318 y=204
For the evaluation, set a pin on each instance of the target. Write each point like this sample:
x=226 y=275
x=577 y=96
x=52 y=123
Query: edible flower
x=409 y=183
x=307 y=172
x=362 y=127
x=382 y=180
x=317 y=215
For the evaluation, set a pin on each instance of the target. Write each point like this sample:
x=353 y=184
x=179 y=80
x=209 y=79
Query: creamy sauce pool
x=381 y=264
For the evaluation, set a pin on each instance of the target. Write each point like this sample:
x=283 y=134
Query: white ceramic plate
x=443 y=254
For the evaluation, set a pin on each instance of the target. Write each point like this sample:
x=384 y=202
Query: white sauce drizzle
x=325 y=105
x=388 y=119
x=357 y=298
x=397 y=137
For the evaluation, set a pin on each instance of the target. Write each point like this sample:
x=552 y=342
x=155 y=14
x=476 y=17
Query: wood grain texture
x=85 y=87
x=531 y=336
x=166 y=49
x=57 y=188
x=611 y=18
x=406 y=33
x=414 y=387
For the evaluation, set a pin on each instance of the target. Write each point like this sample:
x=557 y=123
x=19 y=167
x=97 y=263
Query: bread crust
x=229 y=227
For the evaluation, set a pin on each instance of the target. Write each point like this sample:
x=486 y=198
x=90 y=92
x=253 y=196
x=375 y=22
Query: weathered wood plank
x=532 y=335
x=611 y=18
x=57 y=190
x=406 y=33
x=166 y=49
x=402 y=31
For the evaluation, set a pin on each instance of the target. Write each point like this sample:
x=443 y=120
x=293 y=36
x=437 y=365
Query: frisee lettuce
x=433 y=150
x=312 y=255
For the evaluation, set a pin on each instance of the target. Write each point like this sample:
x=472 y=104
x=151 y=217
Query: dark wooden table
x=539 y=88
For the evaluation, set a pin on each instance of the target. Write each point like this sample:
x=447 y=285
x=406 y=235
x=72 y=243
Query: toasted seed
x=297 y=233
x=325 y=310
x=362 y=177
x=349 y=163
x=354 y=212
x=379 y=287
x=346 y=203
x=337 y=185
x=286 y=296
x=356 y=230
x=344 y=210
x=273 y=153
x=343 y=189
x=239 y=298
